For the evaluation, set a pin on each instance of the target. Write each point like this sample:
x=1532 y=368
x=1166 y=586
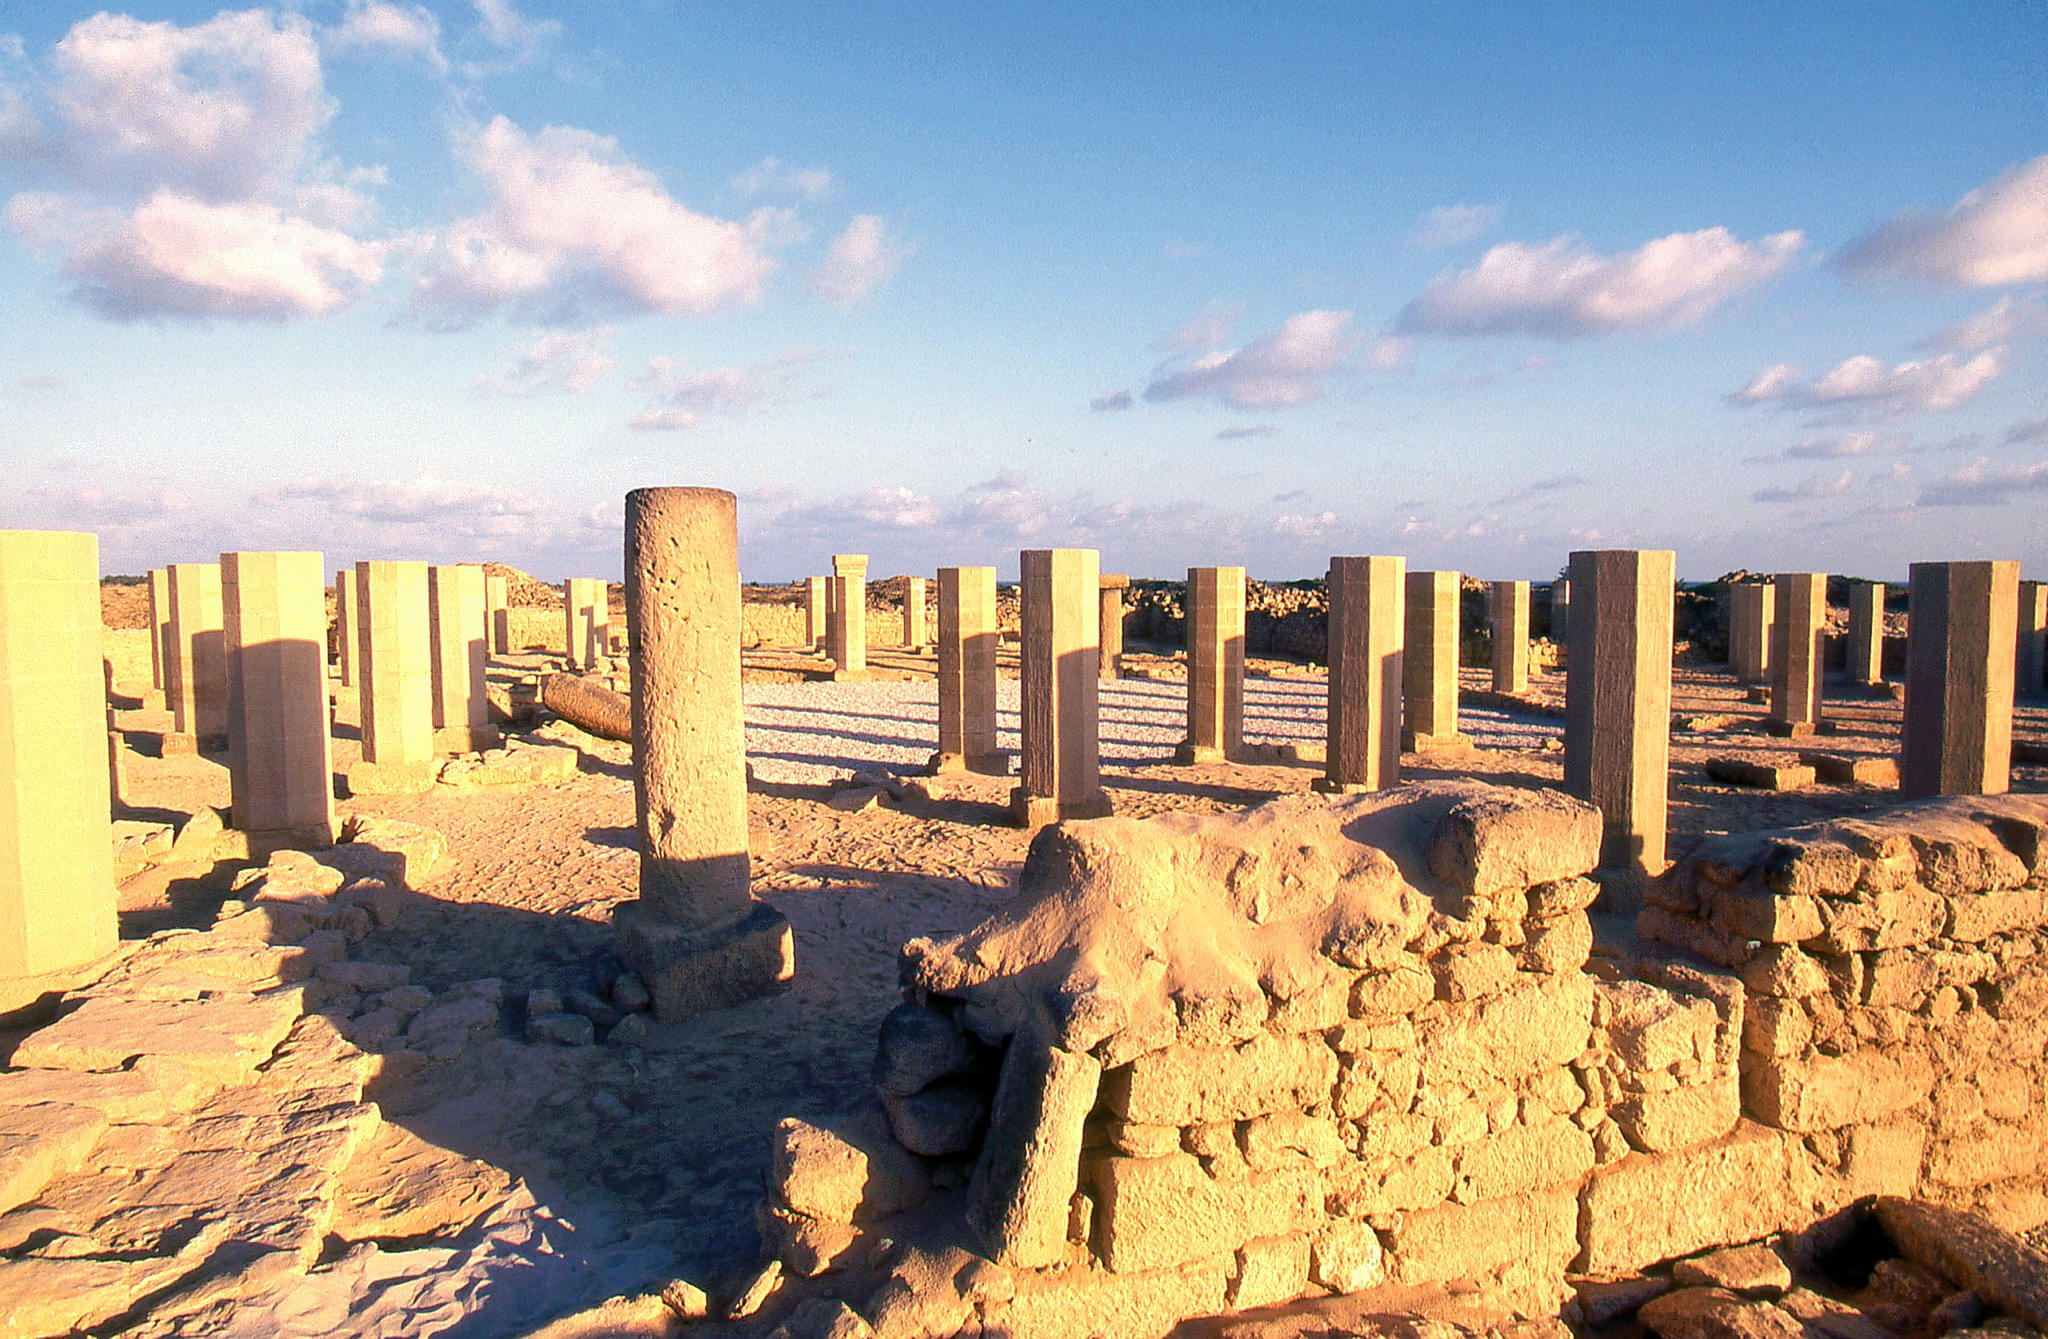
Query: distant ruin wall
x=1209 y=1063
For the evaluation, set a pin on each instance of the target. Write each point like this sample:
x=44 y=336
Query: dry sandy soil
x=646 y=1163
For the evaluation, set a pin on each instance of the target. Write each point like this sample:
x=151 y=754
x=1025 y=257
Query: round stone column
x=696 y=936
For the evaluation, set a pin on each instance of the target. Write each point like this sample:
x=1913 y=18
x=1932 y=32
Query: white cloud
x=2012 y=317
x=1808 y=489
x=1295 y=526
x=1561 y=288
x=398 y=29
x=1865 y=382
x=180 y=256
x=467 y=509
x=1982 y=484
x=93 y=505
x=1244 y=433
x=684 y=397
x=772 y=176
x=573 y=225
x=1840 y=445
x=502 y=26
x=1110 y=401
x=1283 y=368
x=862 y=257
x=1207 y=329
x=1997 y=234
x=1388 y=353
x=570 y=361
x=1448 y=225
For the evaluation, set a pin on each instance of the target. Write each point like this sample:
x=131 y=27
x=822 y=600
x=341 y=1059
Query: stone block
x=1346 y=1257
x=843 y=1174
x=1761 y=774
x=1679 y=1118
x=1957 y=735
x=1651 y=1207
x=1030 y=1160
x=1154 y=1213
x=1824 y=1092
x=1270 y=1271
x=1523 y=1158
x=1498 y=844
x=689 y=970
x=1844 y=769
x=1367 y=599
x=1215 y=656
x=1290 y=1139
x=1471 y=1241
x=1189 y=1085
x=1618 y=700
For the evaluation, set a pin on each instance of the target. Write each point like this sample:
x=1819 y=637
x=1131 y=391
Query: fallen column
x=455 y=607
x=1866 y=632
x=196 y=681
x=1061 y=772
x=967 y=672
x=56 y=833
x=1429 y=669
x=696 y=936
x=1367 y=596
x=1110 y=644
x=1507 y=608
x=396 y=660
x=1796 y=640
x=1214 y=625
x=280 y=757
x=1957 y=736
x=1617 y=734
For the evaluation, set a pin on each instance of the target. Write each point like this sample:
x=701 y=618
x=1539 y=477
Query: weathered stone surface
x=1761 y=773
x=1031 y=1158
x=1270 y=1270
x=1750 y=1271
x=561 y=1029
x=410 y=851
x=838 y=1175
x=1712 y=1313
x=1346 y=1257
x=940 y=1121
x=1160 y=1212
x=1082 y=1303
x=1973 y=1254
x=42 y=1141
x=1651 y=1207
x=1458 y=1241
x=223 y=1038
x=1823 y=1092
x=1681 y=1117
x=916 y=1048
x=1185 y=1086
x=1496 y=844
x=1523 y=1158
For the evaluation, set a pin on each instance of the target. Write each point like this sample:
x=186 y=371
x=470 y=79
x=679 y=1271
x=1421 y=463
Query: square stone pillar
x=1796 y=640
x=1560 y=611
x=455 y=608
x=347 y=630
x=1752 y=610
x=1507 y=610
x=817 y=611
x=1061 y=772
x=848 y=640
x=498 y=613
x=1617 y=727
x=1367 y=601
x=913 y=614
x=280 y=760
x=967 y=672
x=2031 y=651
x=159 y=623
x=587 y=611
x=1957 y=738
x=696 y=935
x=395 y=662
x=196 y=673
x=1429 y=668
x=1215 y=646
x=56 y=833
x=1866 y=632
x=1110 y=643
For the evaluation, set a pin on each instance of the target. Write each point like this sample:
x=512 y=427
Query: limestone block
x=1085 y=1304
x=1189 y=1085
x=1762 y=774
x=1823 y=1092
x=1750 y=913
x=1976 y=917
x=395 y=657
x=1507 y=607
x=968 y=640
x=838 y=1175
x=1883 y=918
x=223 y=1038
x=1618 y=700
x=1785 y=973
x=1346 y=1257
x=1215 y=658
x=1270 y=1271
x=1392 y=992
x=1159 y=1212
x=1957 y=735
x=1521 y=1159
x=1289 y=1139
x=280 y=763
x=1698 y=1313
x=1681 y=1117
x=918 y=1046
x=460 y=636
x=1030 y=1159
x=1061 y=766
x=1366 y=621
x=1990 y=1154
x=196 y=674
x=1545 y=1023
x=1971 y=1253
x=1472 y=971
x=1497 y=844
x=42 y=1142
x=1753 y=610
x=1429 y=669
x=1110 y=651
x=1557 y=944
x=1796 y=640
x=1651 y=1207
x=1471 y=1241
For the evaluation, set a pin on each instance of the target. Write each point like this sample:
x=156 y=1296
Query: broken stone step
x=1761 y=774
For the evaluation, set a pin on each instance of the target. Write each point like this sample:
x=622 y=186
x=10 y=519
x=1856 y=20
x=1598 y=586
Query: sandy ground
x=647 y=1163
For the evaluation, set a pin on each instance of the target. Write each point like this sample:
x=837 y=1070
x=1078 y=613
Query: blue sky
x=1189 y=284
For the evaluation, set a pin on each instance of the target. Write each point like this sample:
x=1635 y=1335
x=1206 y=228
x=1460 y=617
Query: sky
x=1192 y=284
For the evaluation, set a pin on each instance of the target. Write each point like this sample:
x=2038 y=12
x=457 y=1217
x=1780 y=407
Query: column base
x=861 y=675
x=466 y=738
x=1324 y=785
x=1188 y=751
x=393 y=778
x=1415 y=741
x=180 y=744
x=1038 y=811
x=1511 y=687
x=692 y=970
x=1759 y=693
x=261 y=842
x=1791 y=729
x=988 y=764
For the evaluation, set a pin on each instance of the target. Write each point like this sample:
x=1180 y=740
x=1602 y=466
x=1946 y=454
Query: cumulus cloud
x=1110 y=401
x=1840 y=445
x=569 y=361
x=1808 y=489
x=516 y=38
x=467 y=509
x=1282 y=368
x=98 y=506
x=772 y=176
x=572 y=225
x=683 y=397
x=1448 y=225
x=1982 y=484
x=1997 y=234
x=1866 y=382
x=392 y=29
x=1207 y=329
x=1304 y=527
x=861 y=258
x=1561 y=288
x=2012 y=317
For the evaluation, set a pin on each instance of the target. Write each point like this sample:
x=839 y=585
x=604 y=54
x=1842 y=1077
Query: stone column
x=395 y=667
x=817 y=611
x=1796 y=639
x=1110 y=636
x=196 y=673
x=913 y=614
x=159 y=624
x=2031 y=652
x=1367 y=598
x=1866 y=632
x=1429 y=670
x=346 y=634
x=498 y=610
x=280 y=760
x=1617 y=732
x=56 y=835
x=587 y=613
x=1560 y=611
x=1752 y=610
x=1507 y=609
x=696 y=935
x=455 y=608
x=1957 y=738
x=849 y=622
x=1215 y=646
x=967 y=672
x=1061 y=773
